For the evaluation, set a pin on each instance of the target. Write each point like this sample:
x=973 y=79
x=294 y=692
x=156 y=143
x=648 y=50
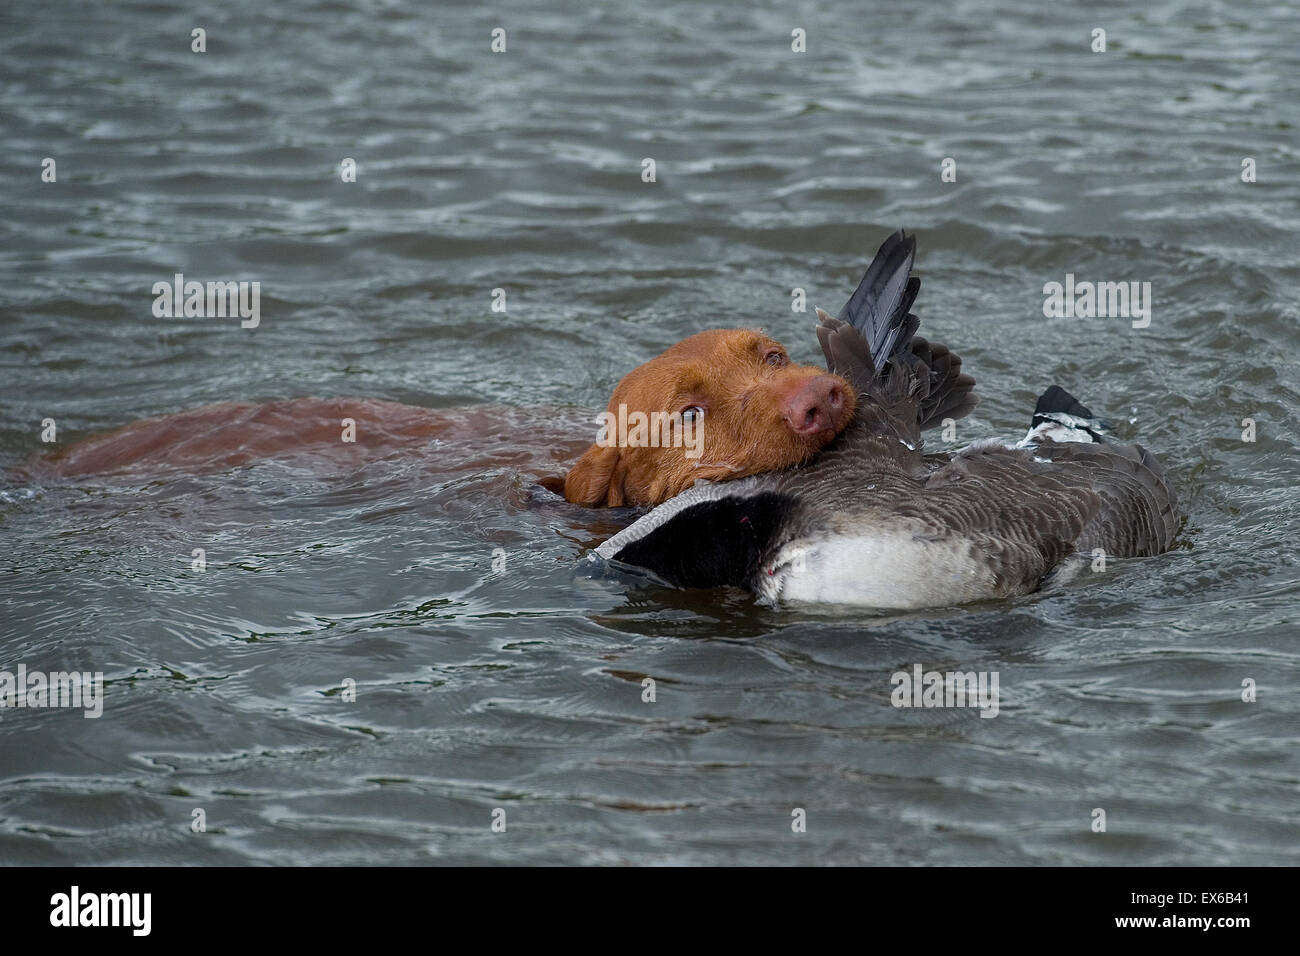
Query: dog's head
x=721 y=404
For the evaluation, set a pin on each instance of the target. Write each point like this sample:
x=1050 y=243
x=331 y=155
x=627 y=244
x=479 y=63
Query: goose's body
x=872 y=521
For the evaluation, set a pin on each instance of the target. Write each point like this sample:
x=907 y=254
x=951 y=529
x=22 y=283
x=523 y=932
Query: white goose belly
x=888 y=568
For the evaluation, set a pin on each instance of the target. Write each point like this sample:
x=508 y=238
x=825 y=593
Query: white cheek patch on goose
x=702 y=491
x=1060 y=427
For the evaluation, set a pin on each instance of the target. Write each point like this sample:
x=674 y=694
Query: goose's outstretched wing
x=907 y=383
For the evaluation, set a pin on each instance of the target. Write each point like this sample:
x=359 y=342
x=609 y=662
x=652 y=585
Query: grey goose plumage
x=872 y=520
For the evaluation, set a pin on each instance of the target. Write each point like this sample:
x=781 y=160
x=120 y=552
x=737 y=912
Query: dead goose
x=872 y=521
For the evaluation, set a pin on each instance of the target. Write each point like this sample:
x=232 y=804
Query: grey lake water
x=496 y=675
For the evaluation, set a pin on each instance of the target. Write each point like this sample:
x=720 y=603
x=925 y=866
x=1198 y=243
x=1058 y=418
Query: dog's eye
x=692 y=413
x=776 y=358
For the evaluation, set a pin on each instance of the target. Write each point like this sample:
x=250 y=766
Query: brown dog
x=728 y=403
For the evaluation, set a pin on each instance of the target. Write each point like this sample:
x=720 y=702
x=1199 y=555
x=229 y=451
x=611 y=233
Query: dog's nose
x=815 y=407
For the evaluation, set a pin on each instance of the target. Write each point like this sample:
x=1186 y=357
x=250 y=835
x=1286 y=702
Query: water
x=521 y=688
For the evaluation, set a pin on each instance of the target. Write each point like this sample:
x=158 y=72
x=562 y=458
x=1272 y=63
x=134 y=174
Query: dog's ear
x=590 y=481
x=553 y=484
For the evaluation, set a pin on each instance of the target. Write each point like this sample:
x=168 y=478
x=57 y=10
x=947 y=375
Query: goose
x=874 y=521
